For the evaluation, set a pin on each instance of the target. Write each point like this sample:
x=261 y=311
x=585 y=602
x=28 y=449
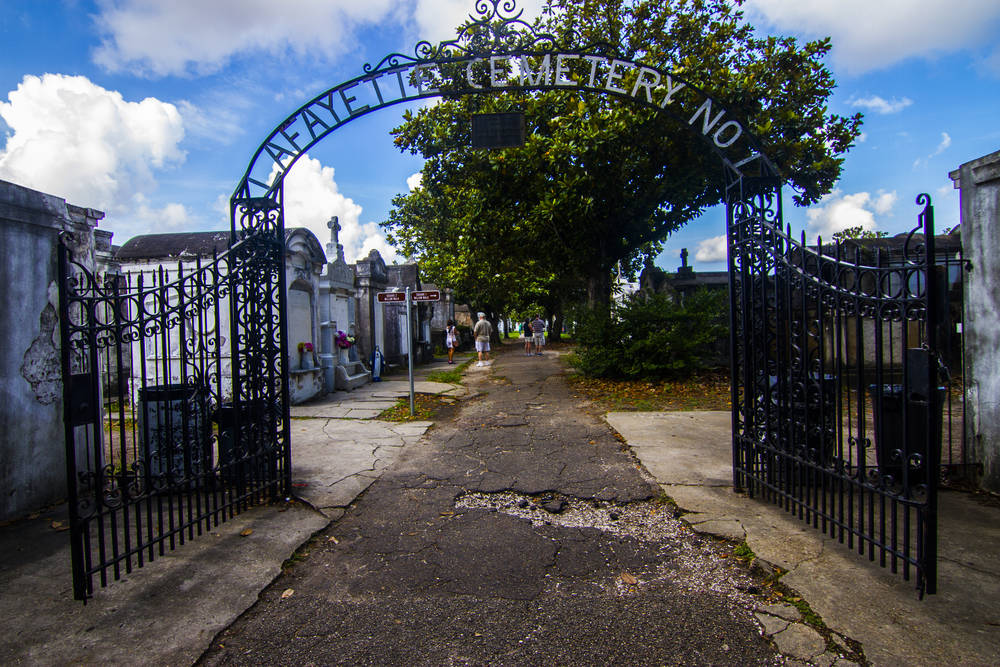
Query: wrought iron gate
x=837 y=382
x=176 y=401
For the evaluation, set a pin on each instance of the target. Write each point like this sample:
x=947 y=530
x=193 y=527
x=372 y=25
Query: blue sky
x=150 y=110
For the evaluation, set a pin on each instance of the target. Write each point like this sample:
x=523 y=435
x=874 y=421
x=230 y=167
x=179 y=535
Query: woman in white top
x=450 y=340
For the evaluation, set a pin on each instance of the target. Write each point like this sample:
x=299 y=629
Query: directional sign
x=432 y=295
x=391 y=297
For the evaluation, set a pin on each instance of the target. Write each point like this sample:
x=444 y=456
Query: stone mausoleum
x=334 y=319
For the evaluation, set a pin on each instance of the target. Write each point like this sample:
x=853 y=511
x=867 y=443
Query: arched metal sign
x=499 y=52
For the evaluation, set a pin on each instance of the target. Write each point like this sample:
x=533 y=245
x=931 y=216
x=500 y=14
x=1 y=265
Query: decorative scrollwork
x=496 y=27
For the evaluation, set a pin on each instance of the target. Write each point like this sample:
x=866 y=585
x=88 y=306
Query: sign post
x=409 y=343
x=409 y=297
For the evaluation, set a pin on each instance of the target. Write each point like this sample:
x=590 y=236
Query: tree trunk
x=599 y=280
x=557 y=325
x=599 y=288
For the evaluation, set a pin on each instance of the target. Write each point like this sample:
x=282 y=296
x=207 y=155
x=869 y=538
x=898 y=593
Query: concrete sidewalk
x=167 y=612
x=690 y=455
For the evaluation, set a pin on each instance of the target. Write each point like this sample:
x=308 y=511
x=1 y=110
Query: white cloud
x=837 y=211
x=311 y=197
x=180 y=37
x=715 y=249
x=146 y=219
x=945 y=143
x=884 y=201
x=871 y=35
x=73 y=139
x=183 y=36
x=880 y=105
x=941 y=148
x=218 y=123
x=413 y=180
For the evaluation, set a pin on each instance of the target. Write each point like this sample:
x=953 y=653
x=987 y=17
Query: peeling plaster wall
x=979 y=182
x=32 y=456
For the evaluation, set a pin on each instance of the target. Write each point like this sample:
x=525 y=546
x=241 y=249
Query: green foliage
x=452 y=375
x=744 y=552
x=600 y=182
x=651 y=337
x=859 y=232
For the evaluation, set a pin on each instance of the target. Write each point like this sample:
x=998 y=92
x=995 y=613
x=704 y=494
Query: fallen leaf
x=59 y=525
x=447 y=514
x=593 y=442
x=629 y=579
x=477 y=634
x=333 y=539
x=288 y=592
x=247 y=532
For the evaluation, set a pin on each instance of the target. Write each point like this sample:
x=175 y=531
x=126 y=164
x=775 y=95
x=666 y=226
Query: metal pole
x=409 y=345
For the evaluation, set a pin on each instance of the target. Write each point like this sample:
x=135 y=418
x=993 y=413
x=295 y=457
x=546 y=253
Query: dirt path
x=518 y=532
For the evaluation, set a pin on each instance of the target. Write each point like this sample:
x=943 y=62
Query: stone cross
x=684 y=257
x=334 y=225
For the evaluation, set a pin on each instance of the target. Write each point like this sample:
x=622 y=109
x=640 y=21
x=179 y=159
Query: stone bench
x=351 y=374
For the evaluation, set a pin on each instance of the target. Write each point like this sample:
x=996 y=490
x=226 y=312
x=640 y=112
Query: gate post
x=752 y=203
x=928 y=574
x=258 y=326
x=978 y=182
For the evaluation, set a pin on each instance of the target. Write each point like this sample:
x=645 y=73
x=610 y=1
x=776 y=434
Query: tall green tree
x=600 y=182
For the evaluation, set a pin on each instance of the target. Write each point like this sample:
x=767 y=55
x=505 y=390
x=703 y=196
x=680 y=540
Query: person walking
x=482 y=332
x=527 y=335
x=538 y=334
x=450 y=340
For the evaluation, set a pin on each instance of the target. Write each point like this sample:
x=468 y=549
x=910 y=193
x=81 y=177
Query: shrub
x=652 y=336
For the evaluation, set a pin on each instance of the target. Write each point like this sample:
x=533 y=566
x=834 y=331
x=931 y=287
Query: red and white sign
x=432 y=295
x=391 y=297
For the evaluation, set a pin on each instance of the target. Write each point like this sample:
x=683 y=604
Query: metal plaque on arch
x=498 y=130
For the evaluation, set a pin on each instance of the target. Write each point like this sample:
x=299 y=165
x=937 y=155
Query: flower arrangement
x=342 y=340
x=305 y=347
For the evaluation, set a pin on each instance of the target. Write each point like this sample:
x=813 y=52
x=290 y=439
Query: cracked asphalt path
x=414 y=573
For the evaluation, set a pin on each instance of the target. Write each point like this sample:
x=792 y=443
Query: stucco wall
x=979 y=182
x=32 y=456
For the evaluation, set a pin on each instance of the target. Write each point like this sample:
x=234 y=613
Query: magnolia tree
x=600 y=182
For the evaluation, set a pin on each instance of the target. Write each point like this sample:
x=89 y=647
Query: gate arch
x=496 y=51
x=499 y=52
x=792 y=306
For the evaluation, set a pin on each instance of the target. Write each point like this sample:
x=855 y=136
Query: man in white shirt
x=538 y=334
x=482 y=332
